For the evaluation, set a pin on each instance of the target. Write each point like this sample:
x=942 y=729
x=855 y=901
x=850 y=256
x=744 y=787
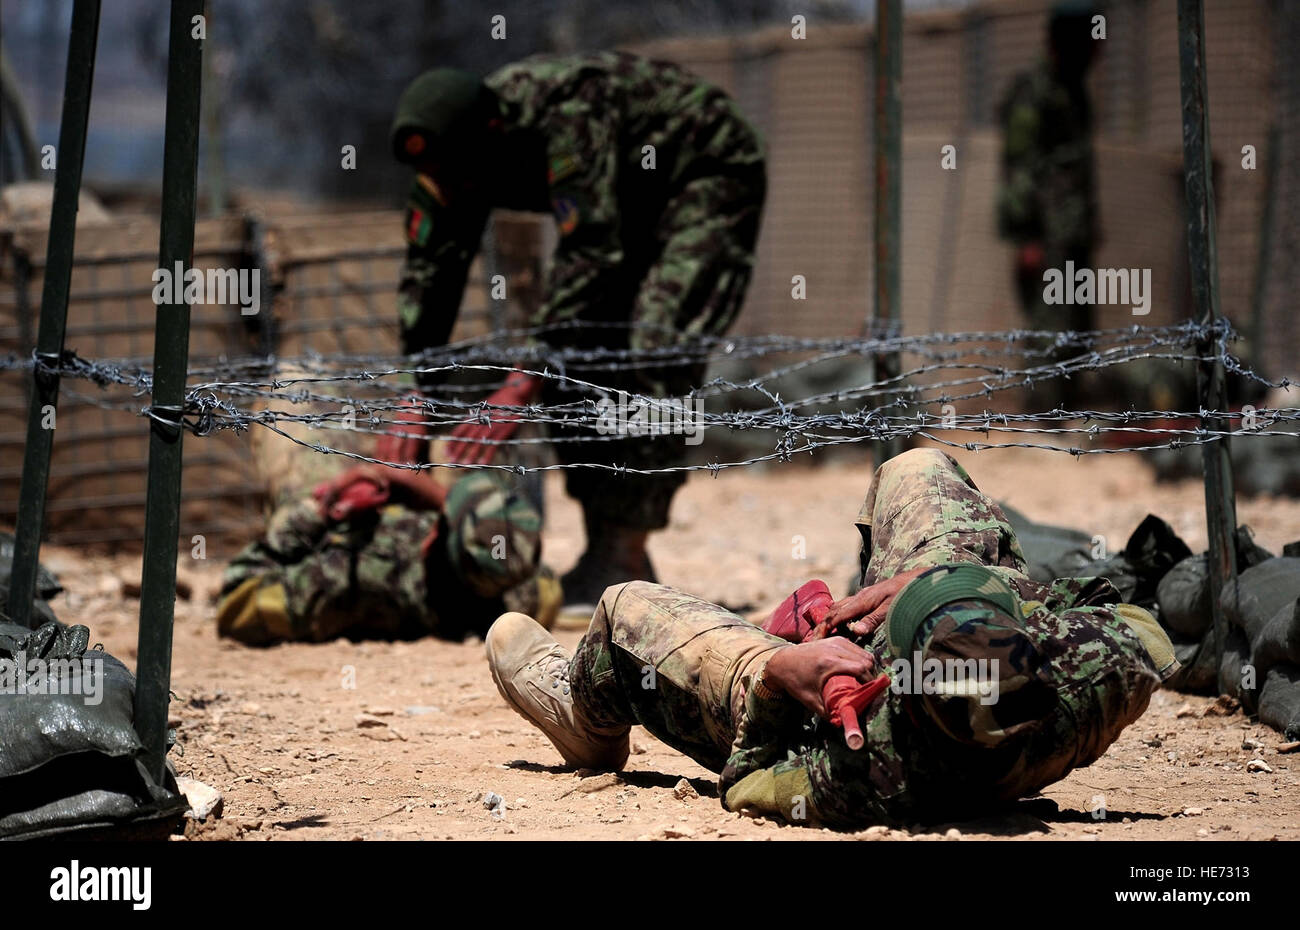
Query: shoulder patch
x=418 y=225
x=424 y=202
x=566 y=214
x=562 y=164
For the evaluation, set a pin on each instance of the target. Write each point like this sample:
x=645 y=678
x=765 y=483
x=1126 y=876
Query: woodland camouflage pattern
x=1048 y=194
x=310 y=579
x=1071 y=673
x=668 y=250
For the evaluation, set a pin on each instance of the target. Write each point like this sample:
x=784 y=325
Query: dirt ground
x=401 y=740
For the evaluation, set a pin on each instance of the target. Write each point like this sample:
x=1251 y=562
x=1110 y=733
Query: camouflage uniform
x=1048 y=194
x=1072 y=674
x=667 y=249
x=310 y=579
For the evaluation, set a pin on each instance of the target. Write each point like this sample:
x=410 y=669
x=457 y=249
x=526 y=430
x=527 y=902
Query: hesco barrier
x=329 y=285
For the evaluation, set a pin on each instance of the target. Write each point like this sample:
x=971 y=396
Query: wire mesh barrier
x=320 y=292
x=365 y=393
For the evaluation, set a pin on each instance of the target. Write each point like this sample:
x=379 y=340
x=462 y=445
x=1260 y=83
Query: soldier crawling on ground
x=656 y=182
x=943 y=579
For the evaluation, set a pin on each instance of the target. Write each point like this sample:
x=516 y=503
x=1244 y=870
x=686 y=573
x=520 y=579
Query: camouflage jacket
x=1096 y=681
x=1047 y=193
x=622 y=134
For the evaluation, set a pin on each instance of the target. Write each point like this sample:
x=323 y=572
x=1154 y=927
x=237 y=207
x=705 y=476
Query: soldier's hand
x=802 y=671
x=476 y=442
x=862 y=613
x=361 y=487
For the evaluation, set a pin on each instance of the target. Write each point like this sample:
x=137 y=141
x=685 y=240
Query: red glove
x=410 y=447
x=360 y=488
x=789 y=621
x=796 y=620
x=473 y=443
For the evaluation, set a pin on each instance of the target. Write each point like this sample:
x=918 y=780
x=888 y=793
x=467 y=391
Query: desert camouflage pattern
x=310 y=579
x=1070 y=674
x=668 y=250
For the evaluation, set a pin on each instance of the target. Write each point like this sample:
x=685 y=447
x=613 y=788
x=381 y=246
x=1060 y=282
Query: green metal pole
x=171 y=353
x=44 y=397
x=888 y=131
x=1202 y=252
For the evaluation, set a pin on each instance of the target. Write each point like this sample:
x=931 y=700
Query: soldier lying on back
x=1032 y=681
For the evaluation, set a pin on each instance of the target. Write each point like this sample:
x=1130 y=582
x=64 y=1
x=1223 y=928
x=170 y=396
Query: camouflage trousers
x=923 y=509
x=670 y=662
x=1072 y=680
x=686 y=277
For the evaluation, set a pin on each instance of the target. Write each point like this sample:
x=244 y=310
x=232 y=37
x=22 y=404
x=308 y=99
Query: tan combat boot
x=532 y=673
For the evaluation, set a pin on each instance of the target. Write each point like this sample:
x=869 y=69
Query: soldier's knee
x=916 y=460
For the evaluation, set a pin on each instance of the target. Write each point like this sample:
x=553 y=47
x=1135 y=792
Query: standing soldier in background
x=656 y=182
x=1047 y=201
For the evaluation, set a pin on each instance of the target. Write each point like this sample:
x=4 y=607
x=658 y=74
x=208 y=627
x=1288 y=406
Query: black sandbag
x=1184 y=598
x=1151 y=551
x=1249 y=552
x=47 y=586
x=1198 y=673
x=1279 y=642
x=1259 y=593
x=1279 y=700
x=69 y=754
x=1236 y=667
x=1184 y=592
x=1049 y=550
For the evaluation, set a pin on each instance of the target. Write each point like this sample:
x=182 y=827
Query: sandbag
x=1048 y=548
x=1259 y=593
x=1198 y=673
x=47 y=586
x=1151 y=551
x=69 y=755
x=1279 y=700
x=1235 y=667
x=1279 y=642
x=1184 y=598
x=1183 y=594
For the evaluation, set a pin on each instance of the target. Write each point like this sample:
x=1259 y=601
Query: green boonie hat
x=493 y=533
x=439 y=105
x=942 y=585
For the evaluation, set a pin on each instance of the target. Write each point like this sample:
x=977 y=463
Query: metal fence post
x=54 y=308
x=1202 y=252
x=171 y=353
x=887 y=129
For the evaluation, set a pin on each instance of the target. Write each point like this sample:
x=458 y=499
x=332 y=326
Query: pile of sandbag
x=70 y=760
x=1156 y=570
